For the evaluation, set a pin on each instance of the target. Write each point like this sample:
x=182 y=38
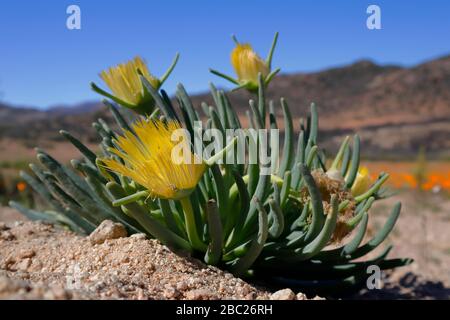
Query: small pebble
x=107 y=230
x=284 y=294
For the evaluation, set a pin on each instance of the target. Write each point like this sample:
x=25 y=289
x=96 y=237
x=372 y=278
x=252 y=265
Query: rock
x=107 y=230
x=200 y=294
x=171 y=292
x=26 y=253
x=250 y=296
x=3 y=226
x=24 y=264
x=7 y=235
x=301 y=296
x=18 y=289
x=140 y=294
x=7 y=285
x=285 y=294
x=182 y=286
x=139 y=236
x=56 y=293
x=8 y=263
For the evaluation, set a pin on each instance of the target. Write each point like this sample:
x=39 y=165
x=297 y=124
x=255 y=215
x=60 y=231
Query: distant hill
x=34 y=125
x=394 y=109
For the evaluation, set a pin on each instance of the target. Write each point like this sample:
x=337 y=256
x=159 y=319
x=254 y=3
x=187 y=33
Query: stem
x=169 y=71
x=343 y=205
x=271 y=75
x=154 y=114
x=221 y=153
x=244 y=85
x=271 y=51
x=110 y=96
x=234 y=189
x=129 y=199
x=235 y=39
x=340 y=154
x=222 y=75
x=190 y=225
x=374 y=189
x=353 y=222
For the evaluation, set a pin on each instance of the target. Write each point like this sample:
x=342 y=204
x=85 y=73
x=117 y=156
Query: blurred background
x=389 y=85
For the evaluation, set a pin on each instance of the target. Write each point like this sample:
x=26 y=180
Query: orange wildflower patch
x=436 y=175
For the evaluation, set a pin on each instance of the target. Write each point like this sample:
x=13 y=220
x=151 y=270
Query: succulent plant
x=303 y=225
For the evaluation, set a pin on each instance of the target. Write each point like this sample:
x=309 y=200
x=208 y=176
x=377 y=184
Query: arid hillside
x=394 y=109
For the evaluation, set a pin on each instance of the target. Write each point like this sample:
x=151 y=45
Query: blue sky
x=42 y=63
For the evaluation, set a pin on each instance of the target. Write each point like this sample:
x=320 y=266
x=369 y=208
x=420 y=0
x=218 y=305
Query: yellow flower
x=247 y=64
x=149 y=162
x=132 y=85
x=124 y=81
x=362 y=182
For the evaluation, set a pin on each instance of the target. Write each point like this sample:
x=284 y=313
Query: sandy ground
x=41 y=261
x=422 y=233
x=59 y=264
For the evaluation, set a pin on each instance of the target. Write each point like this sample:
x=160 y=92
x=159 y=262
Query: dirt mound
x=41 y=261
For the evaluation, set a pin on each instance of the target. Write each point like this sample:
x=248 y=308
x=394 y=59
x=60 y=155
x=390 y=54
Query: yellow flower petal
x=123 y=80
x=148 y=160
x=362 y=182
x=247 y=64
